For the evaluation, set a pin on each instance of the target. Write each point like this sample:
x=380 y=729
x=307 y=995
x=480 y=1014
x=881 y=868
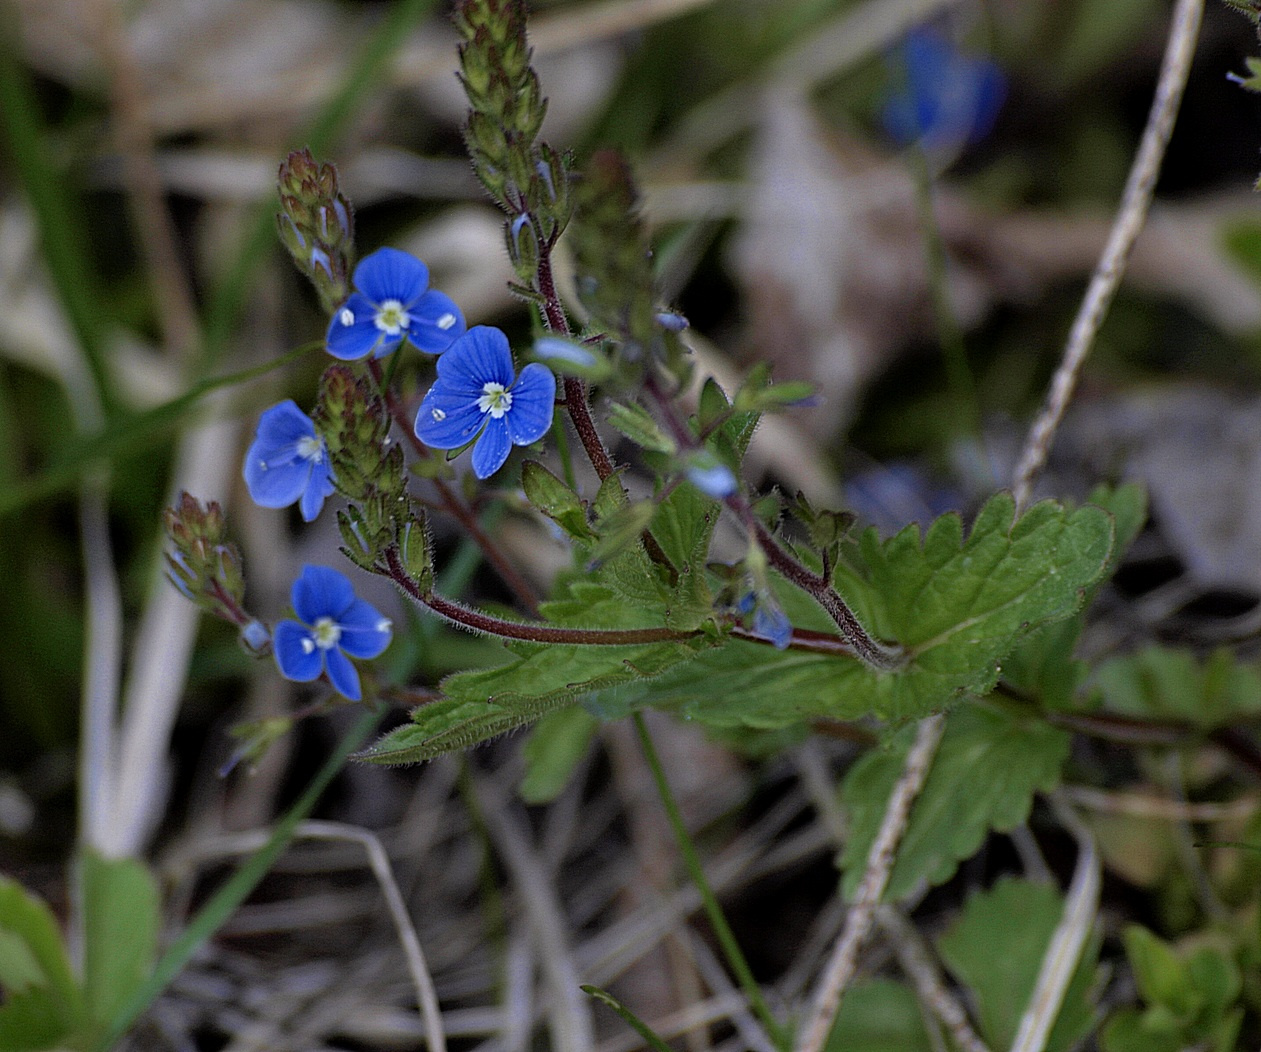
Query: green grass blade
x=636 y=1024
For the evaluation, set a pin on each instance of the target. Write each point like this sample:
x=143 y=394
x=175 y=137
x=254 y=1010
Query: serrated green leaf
x=996 y=948
x=880 y=1015
x=1043 y=665
x=712 y=405
x=988 y=766
x=959 y=606
x=42 y=1001
x=1164 y=683
x=620 y=530
x=556 y=744
x=120 y=918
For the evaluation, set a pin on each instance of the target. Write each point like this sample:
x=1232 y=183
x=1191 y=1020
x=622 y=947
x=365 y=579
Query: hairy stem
x=457 y=508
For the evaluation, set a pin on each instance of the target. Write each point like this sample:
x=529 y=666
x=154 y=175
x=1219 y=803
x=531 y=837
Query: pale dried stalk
x=861 y=916
x=1065 y=948
x=1139 y=806
x=917 y=961
x=379 y=863
x=1125 y=229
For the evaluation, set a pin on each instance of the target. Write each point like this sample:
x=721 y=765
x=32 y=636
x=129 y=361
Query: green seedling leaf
x=555 y=500
x=637 y=424
x=557 y=743
x=1163 y=683
x=958 y=606
x=880 y=1015
x=995 y=949
x=989 y=765
x=120 y=917
x=41 y=1000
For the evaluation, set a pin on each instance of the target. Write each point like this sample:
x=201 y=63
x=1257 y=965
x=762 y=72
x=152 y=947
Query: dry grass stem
x=1064 y=951
x=1135 y=201
x=858 y=922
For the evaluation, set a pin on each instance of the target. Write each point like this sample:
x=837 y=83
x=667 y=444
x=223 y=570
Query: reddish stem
x=461 y=512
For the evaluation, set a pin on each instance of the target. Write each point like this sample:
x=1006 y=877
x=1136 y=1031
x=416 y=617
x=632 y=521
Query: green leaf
x=484 y=703
x=42 y=1001
x=556 y=744
x=637 y=424
x=555 y=500
x=1043 y=666
x=1160 y=683
x=996 y=947
x=958 y=606
x=120 y=918
x=880 y=1015
x=988 y=766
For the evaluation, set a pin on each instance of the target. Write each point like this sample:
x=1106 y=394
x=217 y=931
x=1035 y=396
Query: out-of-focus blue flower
x=255 y=637
x=770 y=622
x=288 y=462
x=710 y=476
x=334 y=626
x=392 y=302
x=946 y=99
x=477 y=393
x=558 y=349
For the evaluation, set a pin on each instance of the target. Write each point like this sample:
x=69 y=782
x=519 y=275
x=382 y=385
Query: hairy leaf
x=958 y=606
x=880 y=1015
x=989 y=765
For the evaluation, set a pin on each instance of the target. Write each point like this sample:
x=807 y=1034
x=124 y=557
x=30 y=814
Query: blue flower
x=288 y=462
x=334 y=626
x=948 y=100
x=711 y=477
x=393 y=301
x=477 y=393
x=771 y=623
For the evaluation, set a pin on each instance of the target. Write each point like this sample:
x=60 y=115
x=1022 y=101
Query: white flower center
x=446 y=321
x=326 y=632
x=391 y=318
x=495 y=400
x=311 y=448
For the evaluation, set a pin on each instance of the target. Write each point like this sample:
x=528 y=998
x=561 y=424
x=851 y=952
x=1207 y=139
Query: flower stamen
x=495 y=400
x=391 y=318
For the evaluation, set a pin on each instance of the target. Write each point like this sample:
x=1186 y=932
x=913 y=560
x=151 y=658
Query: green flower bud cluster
x=368 y=468
x=202 y=563
x=316 y=225
x=614 y=269
x=527 y=179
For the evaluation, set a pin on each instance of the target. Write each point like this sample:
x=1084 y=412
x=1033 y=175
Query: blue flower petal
x=388 y=274
x=318 y=487
x=492 y=448
x=714 y=480
x=283 y=425
x=436 y=322
x=446 y=419
x=342 y=674
x=365 y=633
x=533 y=402
x=479 y=357
x=297 y=656
x=353 y=333
x=274 y=485
x=321 y=591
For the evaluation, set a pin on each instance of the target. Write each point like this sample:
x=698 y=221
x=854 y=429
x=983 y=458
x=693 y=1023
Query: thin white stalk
x=161 y=653
x=102 y=664
x=843 y=963
x=1131 y=215
x=1065 y=948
